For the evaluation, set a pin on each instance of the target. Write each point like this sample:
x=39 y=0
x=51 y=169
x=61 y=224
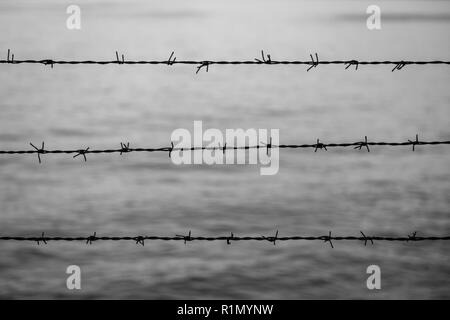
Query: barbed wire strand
x=265 y=59
x=140 y=239
x=125 y=147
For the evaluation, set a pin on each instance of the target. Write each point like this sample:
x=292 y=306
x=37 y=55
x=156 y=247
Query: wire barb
x=268 y=145
x=320 y=145
x=352 y=63
x=39 y=151
x=399 y=66
x=48 y=62
x=313 y=63
x=124 y=148
x=42 y=238
x=366 y=239
x=272 y=239
x=170 y=149
x=12 y=57
x=264 y=60
x=231 y=238
x=83 y=152
x=363 y=144
x=414 y=143
x=170 y=62
x=328 y=239
x=92 y=238
x=140 y=240
x=412 y=237
x=118 y=61
x=185 y=238
x=203 y=64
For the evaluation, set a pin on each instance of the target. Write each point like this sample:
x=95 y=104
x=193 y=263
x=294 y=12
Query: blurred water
x=388 y=191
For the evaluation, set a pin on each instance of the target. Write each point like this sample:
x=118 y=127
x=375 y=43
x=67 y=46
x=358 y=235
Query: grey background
x=390 y=191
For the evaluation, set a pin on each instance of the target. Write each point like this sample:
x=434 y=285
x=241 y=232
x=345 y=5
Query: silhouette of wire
x=265 y=59
x=125 y=148
x=140 y=239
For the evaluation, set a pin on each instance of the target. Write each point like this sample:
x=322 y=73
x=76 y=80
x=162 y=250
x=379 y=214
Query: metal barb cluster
x=125 y=148
x=314 y=63
x=140 y=239
x=265 y=59
x=170 y=62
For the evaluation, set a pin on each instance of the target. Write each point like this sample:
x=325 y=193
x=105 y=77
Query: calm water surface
x=389 y=191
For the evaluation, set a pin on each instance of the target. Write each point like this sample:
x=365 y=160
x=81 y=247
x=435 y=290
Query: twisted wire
x=125 y=147
x=140 y=239
x=265 y=59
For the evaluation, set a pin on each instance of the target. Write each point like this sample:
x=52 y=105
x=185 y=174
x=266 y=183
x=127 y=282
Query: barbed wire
x=140 y=239
x=125 y=147
x=265 y=59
